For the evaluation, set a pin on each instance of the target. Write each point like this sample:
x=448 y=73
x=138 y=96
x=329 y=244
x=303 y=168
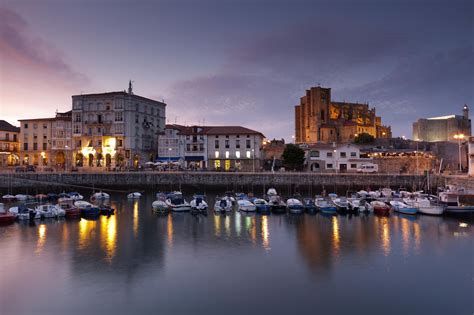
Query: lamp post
x=169 y=160
x=459 y=137
x=253 y=160
x=67 y=155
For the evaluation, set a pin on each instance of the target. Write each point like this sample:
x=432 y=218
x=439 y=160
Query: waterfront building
x=471 y=156
x=35 y=141
x=9 y=144
x=323 y=157
x=318 y=119
x=443 y=128
x=61 y=140
x=115 y=129
x=171 y=144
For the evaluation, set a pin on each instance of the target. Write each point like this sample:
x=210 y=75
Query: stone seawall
x=227 y=181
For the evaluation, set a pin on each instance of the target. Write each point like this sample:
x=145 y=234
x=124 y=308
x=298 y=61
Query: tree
x=364 y=138
x=293 y=156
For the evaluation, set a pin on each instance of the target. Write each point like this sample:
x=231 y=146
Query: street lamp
x=169 y=160
x=459 y=137
x=67 y=156
x=253 y=160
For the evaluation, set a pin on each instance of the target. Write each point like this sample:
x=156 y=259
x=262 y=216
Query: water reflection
x=169 y=230
x=335 y=235
x=86 y=232
x=238 y=223
x=265 y=233
x=217 y=225
x=135 y=218
x=227 y=225
x=108 y=236
x=41 y=238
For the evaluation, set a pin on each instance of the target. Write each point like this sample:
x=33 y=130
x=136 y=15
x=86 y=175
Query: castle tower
x=465 y=111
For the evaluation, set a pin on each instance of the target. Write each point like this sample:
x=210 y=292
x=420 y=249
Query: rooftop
x=121 y=93
x=6 y=126
x=213 y=130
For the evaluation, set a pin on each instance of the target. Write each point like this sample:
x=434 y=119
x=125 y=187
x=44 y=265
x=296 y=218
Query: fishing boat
x=198 y=204
x=261 y=205
x=355 y=205
x=231 y=196
x=223 y=205
x=277 y=204
x=430 y=206
x=50 y=211
x=246 y=206
x=326 y=205
x=380 y=207
x=100 y=196
x=67 y=204
x=21 y=197
x=160 y=205
x=402 y=207
x=6 y=217
x=295 y=206
x=309 y=205
x=87 y=209
x=24 y=213
x=134 y=195
x=176 y=202
x=341 y=204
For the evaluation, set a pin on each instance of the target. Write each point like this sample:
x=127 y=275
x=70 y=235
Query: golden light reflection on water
x=417 y=233
x=335 y=235
x=86 y=229
x=227 y=225
x=253 y=230
x=41 y=238
x=169 y=230
x=238 y=223
x=108 y=236
x=65 y=236
x=217 y=225
x=405 y=236
x=386 y=247
x=265 y=233
x=135 y=218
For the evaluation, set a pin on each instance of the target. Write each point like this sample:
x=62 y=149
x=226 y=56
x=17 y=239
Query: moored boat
x=277 y=205
x=355 y=205
x=402 y=207
x=6 y=217
x=380 y=208
x=246 y=206
x=24 y=213
x=430 y=207
x=177 y=203
x=223 y=205
x=67 y=204
x=198 y=204
x=261 y=205
x=341 y=204
x=100 y=196
x=295 y=206
x=8 y=198
x=326 y=206
x=134 y=195
x=159 y=205
x=50 y=211
x=309 y=205
x=75 y=195
x=87 y=209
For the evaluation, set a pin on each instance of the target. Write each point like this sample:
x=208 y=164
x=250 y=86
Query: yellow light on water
x=108 y=235
x=335 y=235
x=41 y=238
x=217 y=225
x=463 y=225
x=135 y=218
x=265 y=233
x=227 y=225
x=86 y=231
x=169 y=230
x=238 y=223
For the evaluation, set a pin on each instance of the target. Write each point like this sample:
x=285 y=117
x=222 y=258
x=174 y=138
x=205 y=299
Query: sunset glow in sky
x=239 y=62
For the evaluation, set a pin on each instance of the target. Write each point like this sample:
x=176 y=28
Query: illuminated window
x=217 y=164
x=248 y=154
x=217 y=154
x=237 y=154
x=226 y=154
x=227 y=165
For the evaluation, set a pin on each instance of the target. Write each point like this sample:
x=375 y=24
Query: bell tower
x=465 y=111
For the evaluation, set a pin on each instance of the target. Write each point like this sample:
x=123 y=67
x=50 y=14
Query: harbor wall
x=226 y=181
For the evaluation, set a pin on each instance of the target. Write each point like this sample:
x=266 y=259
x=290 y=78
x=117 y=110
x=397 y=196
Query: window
x=25 y=146
x=227 y=144
x=45 y=146
x=188 y=147
x=329 y=165
x=237 y=144
x=217 y=164
x=35 y=126
x=44 y=136
x=248 y=143
x=353 y=154
x=329 y=154
x=119 y=143
x=314 y=153
x=99 y=119
x=118 y=116
x=353 y=165
x=343 y=154
x=35 y=146
x=237 y=154
x=322 y=114
x=248 y=154
x=227 y=154
x=45 y=126
x=216 y=154
x=136 y=118
x=26 y=126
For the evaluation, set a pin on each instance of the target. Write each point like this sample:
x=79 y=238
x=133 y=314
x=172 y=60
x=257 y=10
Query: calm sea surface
x=136 y=262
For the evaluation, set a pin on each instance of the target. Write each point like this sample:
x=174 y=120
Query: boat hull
x=7 y=218
x=328 y=210
x=408 y=210
x=296 y=209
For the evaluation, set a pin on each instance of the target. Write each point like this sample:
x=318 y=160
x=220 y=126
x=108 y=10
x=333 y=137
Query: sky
x=239 y=62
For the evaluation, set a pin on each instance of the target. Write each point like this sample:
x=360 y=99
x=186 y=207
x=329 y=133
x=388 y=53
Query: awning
x=194 y=158
x=167 y=159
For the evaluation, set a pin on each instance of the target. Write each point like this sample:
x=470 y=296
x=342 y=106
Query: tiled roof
x=214 y=130
x=6 y=126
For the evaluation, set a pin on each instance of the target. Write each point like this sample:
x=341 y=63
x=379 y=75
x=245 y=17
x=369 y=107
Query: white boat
x=176 y=202
x=355 y=204
x=341 y=203
x=8 y=197
x=271 y=192
x=50 y=211
x=198 y=203
x=75 y=195
x=294 y=206
x=100 y=196
x=160 y=205
x=246 y=206
x=402 y=207
x=427 y=206
x=223 y=205
x=24 y=213
x=21 y=197
x=83 y=204
x=134 y=195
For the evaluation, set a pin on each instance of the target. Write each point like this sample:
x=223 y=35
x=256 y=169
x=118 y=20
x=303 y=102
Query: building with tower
x=318 y=119
x=443 y=128
x=115 y=129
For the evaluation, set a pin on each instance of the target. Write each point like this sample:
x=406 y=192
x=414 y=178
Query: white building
x=115 y=129
x=471 y=156
x=171 y=144
x=323 y=157
x=61 y=140
x=35 y=141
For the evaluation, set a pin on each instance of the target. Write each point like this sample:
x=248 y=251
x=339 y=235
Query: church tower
x=465 y=111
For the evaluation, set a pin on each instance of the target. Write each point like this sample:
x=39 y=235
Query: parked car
x=368 y=168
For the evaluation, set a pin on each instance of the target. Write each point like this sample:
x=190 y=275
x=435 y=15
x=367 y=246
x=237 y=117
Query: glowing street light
x=459 y=137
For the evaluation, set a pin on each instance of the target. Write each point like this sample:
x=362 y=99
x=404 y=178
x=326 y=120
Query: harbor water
x=136 y=262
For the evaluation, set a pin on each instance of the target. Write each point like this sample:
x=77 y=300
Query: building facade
x=9 y=144
x=442 y=128
x=61 y=141
x=318 y=119
x=115 y=130
x=35 y=141
x=471 y=156
x=324 y=157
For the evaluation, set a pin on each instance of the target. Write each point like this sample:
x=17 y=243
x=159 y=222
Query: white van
x=368 y=168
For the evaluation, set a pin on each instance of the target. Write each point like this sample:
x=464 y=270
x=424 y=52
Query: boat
x=341 y=204
x=75 y=195
x=176 y=202
x=261 y=205
x=231 y=196
x=52 y=197
x=134 y=195
x=325 y=205
x=100 y=196
x=24 y=213
x=223 y=205
x=246 y=206
x=105 y=210
x=241 y=196
x=87 y=209
x=67 y=204
x=430 y=206
x=21 y=197
x=8 y=198
x=277 y=205
x=6 y=217
x=198 y=204
x=355 y=205
x=309 y=205
x=295 y=206
x=271 y=192
x=50 y=211
x=380 y=207
x=402 y=207
x=453 y=206
x=41 y=197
